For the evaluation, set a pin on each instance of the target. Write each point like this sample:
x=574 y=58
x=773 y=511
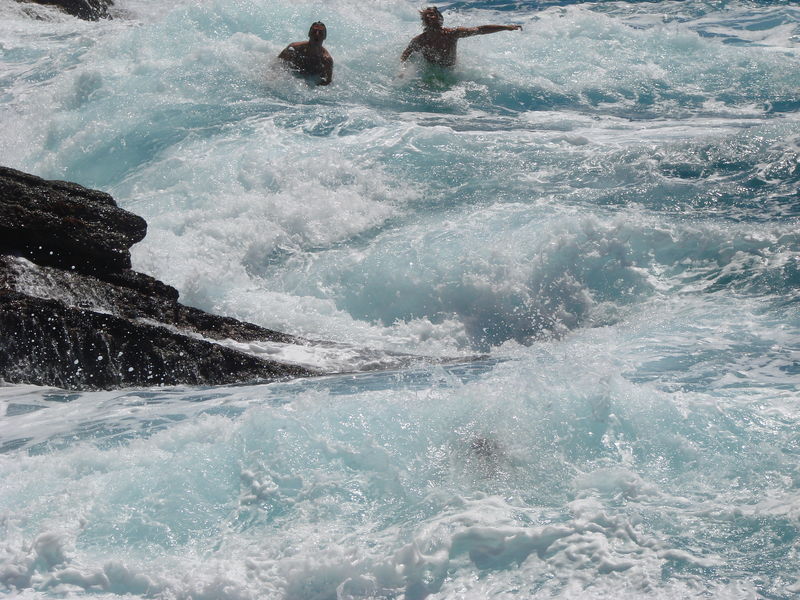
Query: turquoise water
x=604 y=207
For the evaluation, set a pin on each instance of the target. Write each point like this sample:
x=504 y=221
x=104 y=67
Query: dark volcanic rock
x=90 y=10
x=65 y=225
x=72 y=348
x=129 y=294
x=74 y=315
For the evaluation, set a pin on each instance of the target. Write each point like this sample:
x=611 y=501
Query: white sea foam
x=605 y=203
x=331 y=457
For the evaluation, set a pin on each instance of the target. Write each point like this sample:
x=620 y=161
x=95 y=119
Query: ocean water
x=594 y=220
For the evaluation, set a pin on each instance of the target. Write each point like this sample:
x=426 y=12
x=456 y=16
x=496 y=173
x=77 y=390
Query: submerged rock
x=74 y=315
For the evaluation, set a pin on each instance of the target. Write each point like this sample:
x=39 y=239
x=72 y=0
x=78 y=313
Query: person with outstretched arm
x=437 y=44
x=310 y=58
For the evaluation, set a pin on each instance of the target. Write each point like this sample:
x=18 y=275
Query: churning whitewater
x=594 y=220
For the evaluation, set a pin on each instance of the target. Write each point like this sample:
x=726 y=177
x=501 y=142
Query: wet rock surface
x=74 y=315
x=65 y=225
x=90 y=10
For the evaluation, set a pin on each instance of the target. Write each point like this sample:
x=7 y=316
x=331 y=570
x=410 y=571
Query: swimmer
x=310 y=58
x=437 y=44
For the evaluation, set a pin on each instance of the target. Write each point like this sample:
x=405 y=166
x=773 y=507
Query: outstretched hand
x=513 y=27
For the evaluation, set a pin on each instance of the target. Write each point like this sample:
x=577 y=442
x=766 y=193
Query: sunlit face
x=317 y=33
x=431 y=17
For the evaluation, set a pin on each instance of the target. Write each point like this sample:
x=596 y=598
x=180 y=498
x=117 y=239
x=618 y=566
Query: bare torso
x=438 y=46
x=308 y=59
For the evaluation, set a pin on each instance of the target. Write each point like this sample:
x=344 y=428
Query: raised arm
x=483 y=30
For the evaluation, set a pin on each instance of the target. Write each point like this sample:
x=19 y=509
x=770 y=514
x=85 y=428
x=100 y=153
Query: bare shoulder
x=288 y=52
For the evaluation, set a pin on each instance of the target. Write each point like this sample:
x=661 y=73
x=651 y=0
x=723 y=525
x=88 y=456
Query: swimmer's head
x=317 y=32
x=431 y=17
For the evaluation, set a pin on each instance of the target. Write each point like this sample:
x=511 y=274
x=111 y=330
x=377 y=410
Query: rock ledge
x=89 y=10
x=74 y=315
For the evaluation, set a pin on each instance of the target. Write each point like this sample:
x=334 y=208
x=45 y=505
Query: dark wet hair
x=318 y=24
x=430 y=10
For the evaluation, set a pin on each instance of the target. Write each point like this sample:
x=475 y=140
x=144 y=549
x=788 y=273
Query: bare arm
x=412 y=47
x=483 y=30
x=327 y=69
